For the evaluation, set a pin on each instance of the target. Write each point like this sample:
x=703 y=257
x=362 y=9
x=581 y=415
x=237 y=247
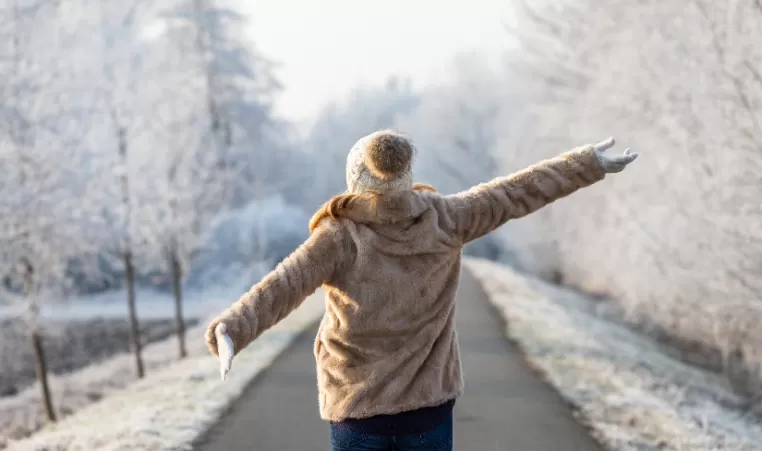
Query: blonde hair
x=334 y=206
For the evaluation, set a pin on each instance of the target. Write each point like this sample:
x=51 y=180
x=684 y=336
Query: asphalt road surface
x=505 y=406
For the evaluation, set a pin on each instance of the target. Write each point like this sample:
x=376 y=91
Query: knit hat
x=382 y=162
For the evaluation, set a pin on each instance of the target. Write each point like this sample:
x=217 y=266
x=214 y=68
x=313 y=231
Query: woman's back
x=388 y=331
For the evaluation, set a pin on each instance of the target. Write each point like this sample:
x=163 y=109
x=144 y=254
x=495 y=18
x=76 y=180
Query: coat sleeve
x=285 y=288
x=485 y=207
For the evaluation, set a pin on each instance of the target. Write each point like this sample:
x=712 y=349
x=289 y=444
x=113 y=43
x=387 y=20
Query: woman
x=388 y=255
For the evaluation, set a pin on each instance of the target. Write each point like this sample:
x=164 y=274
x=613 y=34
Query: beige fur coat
x=389 y=264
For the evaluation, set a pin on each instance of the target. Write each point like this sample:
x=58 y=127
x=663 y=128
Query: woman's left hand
x=613 y=163
x=221 y=345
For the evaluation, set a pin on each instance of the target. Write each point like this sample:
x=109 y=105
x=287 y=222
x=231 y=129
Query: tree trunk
x=41 y=369
x=129 y=269
x=177 y=290
x=129 y=279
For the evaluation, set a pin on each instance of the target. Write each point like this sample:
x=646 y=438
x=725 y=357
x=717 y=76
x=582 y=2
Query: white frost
x=171 y=408
x=633 y=396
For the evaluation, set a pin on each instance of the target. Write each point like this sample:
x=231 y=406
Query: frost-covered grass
x=22 y=414
x=633 y=396
x=70 y=345
x=171 y=407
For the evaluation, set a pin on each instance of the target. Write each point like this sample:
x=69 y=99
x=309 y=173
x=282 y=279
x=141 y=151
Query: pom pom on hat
x=388 y=154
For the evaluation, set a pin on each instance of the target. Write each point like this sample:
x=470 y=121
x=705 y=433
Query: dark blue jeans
x=436 y=439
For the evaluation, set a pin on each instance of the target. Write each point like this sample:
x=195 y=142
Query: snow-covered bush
x=252 y=239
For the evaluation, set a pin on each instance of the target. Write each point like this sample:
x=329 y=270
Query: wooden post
x=42 y=375
x=177 y=290
x=129 y=278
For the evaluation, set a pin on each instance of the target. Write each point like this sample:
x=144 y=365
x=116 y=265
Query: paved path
x=505 y=407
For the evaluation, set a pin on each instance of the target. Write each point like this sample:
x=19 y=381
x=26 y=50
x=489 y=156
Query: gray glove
x=224 y=349
x=613 y=163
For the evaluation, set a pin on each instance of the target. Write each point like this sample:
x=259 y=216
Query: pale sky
x=327 y=47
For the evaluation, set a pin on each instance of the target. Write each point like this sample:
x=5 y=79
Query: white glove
x=613 y=163
x=225 y=349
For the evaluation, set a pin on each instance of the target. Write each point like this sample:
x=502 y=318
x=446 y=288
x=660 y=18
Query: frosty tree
x=123 y=195
x=187 y=187
x=210 y=119
x=238 y=87
x=689 y=94
x=43 y=223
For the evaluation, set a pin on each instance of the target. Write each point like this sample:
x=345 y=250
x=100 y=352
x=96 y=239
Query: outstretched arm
x=282 y=290
x=485 y=207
